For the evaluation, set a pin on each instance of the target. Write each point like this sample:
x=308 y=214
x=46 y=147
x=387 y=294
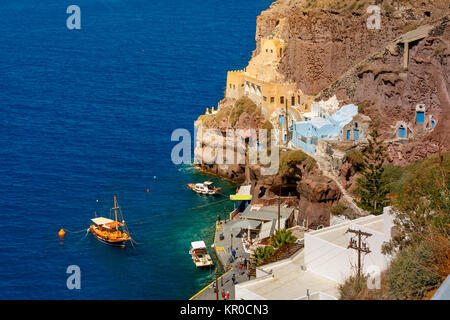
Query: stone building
x=263 y=84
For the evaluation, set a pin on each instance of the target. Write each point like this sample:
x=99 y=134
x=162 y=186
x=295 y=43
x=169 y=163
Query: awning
x=114 y=224
x=242 y=194
x=240 y=197
x=198 y=245
x=245 y=224
x=101 y=221
x=267 y=229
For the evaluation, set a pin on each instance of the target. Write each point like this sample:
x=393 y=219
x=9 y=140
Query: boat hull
x=120 y=244
x=201 y=262
x=111 y=241
x=202 y=191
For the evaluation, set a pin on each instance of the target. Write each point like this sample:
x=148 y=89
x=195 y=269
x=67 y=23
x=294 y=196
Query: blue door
x=402 y=132
x=281 y=120
x=420 y=118
x=432 y=124
x=348 y=134
x=356 y=132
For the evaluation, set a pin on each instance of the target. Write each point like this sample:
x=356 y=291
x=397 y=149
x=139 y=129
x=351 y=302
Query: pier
x=222 y=248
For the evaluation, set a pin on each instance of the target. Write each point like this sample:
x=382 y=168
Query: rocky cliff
x=331 y=51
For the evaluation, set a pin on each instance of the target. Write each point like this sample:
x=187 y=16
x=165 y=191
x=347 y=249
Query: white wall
x=338 y=263
x=327 y=259
x=241 y=293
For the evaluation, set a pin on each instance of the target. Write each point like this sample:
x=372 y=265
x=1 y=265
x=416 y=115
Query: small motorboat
x=204 y=188
x=200 y=254
x=110 y=232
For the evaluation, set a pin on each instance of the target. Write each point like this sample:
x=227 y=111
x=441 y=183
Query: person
x=233 y=253
x=218 y=219
x=223 y=294
x=240 y=269
x=248 y=273
x=214 y=287
x=245 y=263
x=228 y=295
x=233 y=278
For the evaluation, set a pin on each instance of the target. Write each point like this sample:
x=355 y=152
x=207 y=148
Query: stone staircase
x=324 y=165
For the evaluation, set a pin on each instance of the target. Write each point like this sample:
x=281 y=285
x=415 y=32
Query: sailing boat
x=111 y=232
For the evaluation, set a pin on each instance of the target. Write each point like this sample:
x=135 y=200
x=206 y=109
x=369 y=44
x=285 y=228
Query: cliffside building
x=263 y=84
x=345 y=124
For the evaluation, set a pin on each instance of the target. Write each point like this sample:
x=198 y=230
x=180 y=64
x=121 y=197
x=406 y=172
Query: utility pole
x=231 y=243
x=217 y=288
x=359 y=248
x=287 y=127
x=279 y=205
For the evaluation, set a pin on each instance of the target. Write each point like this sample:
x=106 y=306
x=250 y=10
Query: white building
x=326 y=261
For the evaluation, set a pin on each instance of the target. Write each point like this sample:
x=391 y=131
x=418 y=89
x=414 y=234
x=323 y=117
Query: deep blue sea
x=88 y=114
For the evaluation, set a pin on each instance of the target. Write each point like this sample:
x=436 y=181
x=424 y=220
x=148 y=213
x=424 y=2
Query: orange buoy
x=148 y=191
x=61 y=233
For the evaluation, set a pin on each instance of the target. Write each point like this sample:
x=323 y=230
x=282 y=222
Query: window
x=230 y=85
x=356 y=134
x=401 y=132
x=432 y=124
x=281 y=51
x=265 y=98
x=356 y=124
x=298 y=99
x=292 y=100
x=282 y=100
x=348 y=134
x=420 y=117
x=272 y=99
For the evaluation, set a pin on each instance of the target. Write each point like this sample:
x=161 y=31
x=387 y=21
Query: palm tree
x=261 y=254
x=282 y=237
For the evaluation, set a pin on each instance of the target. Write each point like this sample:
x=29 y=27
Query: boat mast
x=115 y=209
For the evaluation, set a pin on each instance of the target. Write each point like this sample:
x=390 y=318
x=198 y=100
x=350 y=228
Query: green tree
x=372 y=187
x=422 y=202
x=282 y=237
x=261 y=254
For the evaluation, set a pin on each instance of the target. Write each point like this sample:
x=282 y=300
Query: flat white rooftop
x=289 y=282
x=336 y=234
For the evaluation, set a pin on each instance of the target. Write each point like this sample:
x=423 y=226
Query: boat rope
x=70 y=231
x=209 y=204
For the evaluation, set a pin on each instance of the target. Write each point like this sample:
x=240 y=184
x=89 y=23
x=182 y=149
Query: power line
x=360 y=247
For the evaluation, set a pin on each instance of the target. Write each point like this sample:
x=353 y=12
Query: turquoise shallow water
x=88 y=114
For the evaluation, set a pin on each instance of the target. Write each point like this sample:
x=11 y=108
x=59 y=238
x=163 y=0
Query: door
x=348 y=134
x=420 y=117
x=402 y=132
x=356 y=133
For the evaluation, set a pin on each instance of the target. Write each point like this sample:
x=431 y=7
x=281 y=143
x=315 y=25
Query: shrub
x=352 y=287
x=243 y=104
x=363 y=105
x=355 y=157
x=289 y=159
x=261 y=254
x=338 y=209
x=408 y=277
x=282 y=237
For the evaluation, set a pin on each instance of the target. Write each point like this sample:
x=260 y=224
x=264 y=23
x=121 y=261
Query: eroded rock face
x=317 y=195
x=325 y=43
